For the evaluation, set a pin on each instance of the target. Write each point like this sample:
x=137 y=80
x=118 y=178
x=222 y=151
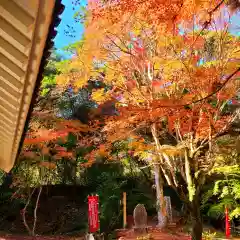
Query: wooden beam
x=4 y=118
x=8 y=47
x=11 y=66
x=4 y=139
x=6 y=131
x=6 y=125
x=17 y=12
x=7 y=115
x=9 y=108
x=8 y=77
x=8 y=99
x=9 y=29
x=7 y=137
x=10 y=89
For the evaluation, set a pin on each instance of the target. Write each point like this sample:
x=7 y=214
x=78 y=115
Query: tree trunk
x=196 y=218
x=162 y=217
x=161 y=208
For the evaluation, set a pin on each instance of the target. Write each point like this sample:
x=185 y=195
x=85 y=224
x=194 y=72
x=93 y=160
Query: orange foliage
x=153 y=53
x=47 y=136
x=158 y=11
x=49 y=165
x=60 y=149
x=61 y=154
x=63 y=128
x=45 y=150
x=29 y=154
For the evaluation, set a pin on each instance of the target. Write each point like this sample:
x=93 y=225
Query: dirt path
x=159 y=236
x=40 y=238
x=155 y=234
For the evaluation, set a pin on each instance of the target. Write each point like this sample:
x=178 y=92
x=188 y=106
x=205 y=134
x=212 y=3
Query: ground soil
x=40 y=238
x=155 y=233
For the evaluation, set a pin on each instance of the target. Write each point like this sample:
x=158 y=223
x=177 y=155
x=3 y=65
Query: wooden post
x=124 y=209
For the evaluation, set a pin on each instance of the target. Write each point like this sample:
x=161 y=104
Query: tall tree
x=171 y=68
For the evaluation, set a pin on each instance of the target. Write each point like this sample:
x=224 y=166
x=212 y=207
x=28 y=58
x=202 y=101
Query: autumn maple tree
x=170 y=67
x=58 y=116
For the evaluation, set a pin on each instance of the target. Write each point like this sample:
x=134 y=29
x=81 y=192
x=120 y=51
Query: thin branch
x=121 y=49
x=204 y=98
x=35 y=211
x=24 y=212
x=211 y=94
x=119 y=39
x=220 y=88
x=206 y=24
x=169 y=181
x=222 y=132
x=234 y=117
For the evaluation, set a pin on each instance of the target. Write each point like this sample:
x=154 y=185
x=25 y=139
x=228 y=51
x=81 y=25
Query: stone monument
x=140 y=218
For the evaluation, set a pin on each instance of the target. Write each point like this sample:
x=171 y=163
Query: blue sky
x=62 y=40
x=236 y=25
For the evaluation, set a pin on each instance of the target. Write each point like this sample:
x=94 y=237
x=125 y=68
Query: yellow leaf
x=101 y=96
x=81 y=82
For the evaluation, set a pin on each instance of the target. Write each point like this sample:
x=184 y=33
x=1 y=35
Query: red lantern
x=93 y=217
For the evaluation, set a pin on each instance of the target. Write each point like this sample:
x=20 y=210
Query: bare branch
x=24 y=212
x=35 y=211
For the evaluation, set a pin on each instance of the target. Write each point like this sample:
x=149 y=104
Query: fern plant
x=227 y=191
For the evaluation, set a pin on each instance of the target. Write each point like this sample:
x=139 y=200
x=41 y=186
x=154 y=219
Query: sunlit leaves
x=102 y=151
x=227 y=189
x=100 y=96
x=172 y=150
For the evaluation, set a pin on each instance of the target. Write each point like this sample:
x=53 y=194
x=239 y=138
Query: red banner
x=93 y=219
x=227 y=224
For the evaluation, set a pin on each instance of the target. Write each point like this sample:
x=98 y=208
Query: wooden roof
x=26 y=31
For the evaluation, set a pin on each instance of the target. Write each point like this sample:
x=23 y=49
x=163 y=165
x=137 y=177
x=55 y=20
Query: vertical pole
x=124 y=210
x=227 y=226
x=99 y=225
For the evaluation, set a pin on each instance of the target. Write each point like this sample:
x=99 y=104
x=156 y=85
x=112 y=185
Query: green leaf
x=72 y=140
